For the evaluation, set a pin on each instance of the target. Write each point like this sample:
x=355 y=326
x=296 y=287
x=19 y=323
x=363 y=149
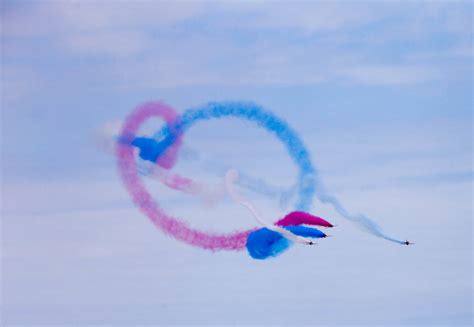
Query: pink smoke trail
x=142 y=198
x=302 y=218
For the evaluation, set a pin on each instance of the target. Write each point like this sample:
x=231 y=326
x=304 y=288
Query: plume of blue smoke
x=264 y=243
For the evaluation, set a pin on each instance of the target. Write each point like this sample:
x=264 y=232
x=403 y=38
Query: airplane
x=408 y=243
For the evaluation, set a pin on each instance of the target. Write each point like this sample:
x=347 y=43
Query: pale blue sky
x=381 y=93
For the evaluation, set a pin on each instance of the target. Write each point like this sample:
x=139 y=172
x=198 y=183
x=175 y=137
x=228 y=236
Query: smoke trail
x=173 y=131
x=308 y=176
x=362 y=221
x=143 y=199
x=272 y=240
x=262 y=118
x=209 y=193
x=259 y=186
x=230 y=177
x=256 y=185
x=149 y=148
x=107 y=137
x=302 y=218
x=171 y=136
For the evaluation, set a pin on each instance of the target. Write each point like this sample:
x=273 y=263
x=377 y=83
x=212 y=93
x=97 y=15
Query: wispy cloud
x=64 y=17
x=17 y=82
x=389 y=74
x=171 y=44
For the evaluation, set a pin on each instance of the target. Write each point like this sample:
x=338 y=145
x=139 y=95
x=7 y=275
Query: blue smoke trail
x=307 y=177
x=262 y=118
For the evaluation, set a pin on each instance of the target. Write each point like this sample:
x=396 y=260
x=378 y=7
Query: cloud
x=17 y=82
x=109 y=43
x=436 y=179
x=389 y=74
x=96 y=27
x=173 y=44
x=99 y=15
x=63 y=17
x=314 y=17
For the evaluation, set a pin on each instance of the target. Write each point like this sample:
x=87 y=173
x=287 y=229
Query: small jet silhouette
x=408 y=243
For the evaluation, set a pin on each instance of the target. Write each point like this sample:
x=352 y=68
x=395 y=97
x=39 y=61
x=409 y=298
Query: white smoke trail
x=230 y=177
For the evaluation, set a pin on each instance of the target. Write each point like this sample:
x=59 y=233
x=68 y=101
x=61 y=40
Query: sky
x=380 y=93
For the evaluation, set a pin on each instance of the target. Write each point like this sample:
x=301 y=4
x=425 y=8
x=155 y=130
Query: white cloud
x=148 y=44
x=63 y=17
x=458 y=52
x=115 y=29
x=100 y=15
x=17 y=82
x=314 y=17
x=111 y=44
x=388 y=74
